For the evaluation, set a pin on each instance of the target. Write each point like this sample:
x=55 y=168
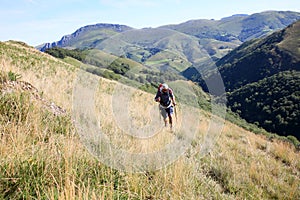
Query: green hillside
x=250 y=74
x=258 y=59
x=157 y=48
x=120 y=68
x=44 y=157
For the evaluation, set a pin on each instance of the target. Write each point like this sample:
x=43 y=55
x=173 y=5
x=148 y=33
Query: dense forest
x=273 y=103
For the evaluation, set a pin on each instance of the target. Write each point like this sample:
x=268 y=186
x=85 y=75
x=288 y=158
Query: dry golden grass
x=42 y=157
x=52 y=77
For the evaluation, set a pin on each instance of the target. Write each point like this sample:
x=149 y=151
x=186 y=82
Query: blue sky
x=39 y=21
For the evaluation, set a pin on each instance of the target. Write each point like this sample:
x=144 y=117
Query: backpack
x=159 y=87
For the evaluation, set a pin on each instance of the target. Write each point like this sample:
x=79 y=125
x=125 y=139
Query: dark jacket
x=165 y=97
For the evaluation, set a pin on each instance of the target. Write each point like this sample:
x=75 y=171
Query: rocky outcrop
x=12 y=86
x=65 y=40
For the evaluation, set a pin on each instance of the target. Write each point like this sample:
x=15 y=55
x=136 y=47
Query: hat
x=164 y=87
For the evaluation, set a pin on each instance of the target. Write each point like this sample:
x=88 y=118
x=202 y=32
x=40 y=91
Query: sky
x=39 y=21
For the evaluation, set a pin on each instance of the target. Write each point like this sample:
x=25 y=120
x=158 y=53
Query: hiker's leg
x=164 y=115
x=170 y=121
x=170 y=113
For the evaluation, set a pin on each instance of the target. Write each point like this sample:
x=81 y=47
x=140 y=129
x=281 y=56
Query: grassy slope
x=43 y=157
x=258 y=59
x=291 y=36
x=181 y=50
x=48 y=71
x=91 y=38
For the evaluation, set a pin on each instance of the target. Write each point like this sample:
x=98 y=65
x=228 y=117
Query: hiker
x=166 y=98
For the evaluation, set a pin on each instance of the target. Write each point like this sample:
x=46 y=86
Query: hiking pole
x=175 y=112
x=159 y=112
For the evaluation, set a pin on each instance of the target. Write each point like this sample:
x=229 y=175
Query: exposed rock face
x=65 y=40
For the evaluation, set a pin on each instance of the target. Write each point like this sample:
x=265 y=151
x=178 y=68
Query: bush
x=293 y=140
x=119 y=68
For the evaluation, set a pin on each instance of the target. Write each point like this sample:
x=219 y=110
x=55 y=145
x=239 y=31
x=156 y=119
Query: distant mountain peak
x=116 y=27
x=66 y=39
x=234 y=16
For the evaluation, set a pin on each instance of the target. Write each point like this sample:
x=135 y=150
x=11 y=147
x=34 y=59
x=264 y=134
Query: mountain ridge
x=245 y=27
x=212 y=39
x=65 y=40
x=283 y=18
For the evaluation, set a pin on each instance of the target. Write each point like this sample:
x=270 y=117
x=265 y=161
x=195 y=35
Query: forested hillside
x=272 y=103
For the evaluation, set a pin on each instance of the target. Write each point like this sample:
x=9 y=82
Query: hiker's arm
x=157 y=97
x=172 y=97
x=173 y=100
